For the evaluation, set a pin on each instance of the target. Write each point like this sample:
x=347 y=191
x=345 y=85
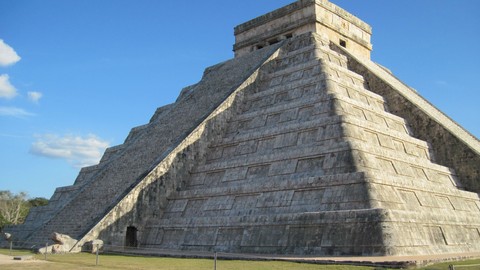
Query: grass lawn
x=87 y=261
x=467 y=265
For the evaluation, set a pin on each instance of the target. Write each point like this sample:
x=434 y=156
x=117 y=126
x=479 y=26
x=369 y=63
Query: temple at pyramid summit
x=298 y=145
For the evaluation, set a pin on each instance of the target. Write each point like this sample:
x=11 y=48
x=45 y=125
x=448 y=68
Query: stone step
x=305 y=54
x=303 y=218
x=358 y=94
x=287 y=92
x=319 y=101
x=111 y=152
x=433 y=186
x=206 y=188
x=402 y=162
x=267 y=205
x=345 y=75
x=280 y=141
x=371 y=132
x=318 y=150
x=293 y=72
x=272 y=131
x=287 y=59
x=352 y=108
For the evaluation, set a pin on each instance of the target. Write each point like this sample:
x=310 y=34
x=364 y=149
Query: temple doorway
x=131 y=237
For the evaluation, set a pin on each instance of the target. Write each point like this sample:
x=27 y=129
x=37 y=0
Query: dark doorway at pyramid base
x=131 y=237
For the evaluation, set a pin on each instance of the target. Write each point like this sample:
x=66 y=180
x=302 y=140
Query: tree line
x=14 y=208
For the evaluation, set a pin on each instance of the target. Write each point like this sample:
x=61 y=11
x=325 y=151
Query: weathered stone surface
x=63 y=244
x=302 y=147
x=93 y=246
x=7 y=237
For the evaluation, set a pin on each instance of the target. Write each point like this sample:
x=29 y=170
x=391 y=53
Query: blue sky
x=76 y=76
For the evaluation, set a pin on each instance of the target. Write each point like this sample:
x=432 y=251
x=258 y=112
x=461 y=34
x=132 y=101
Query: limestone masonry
x=298 y=145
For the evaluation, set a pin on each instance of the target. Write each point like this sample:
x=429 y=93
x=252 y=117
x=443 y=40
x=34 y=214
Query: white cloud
x=7 y=90
x=8 y=56
x=34 y=96
x=78 y=151
x=15 y=112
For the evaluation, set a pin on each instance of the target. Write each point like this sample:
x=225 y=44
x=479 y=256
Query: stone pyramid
x=299 y=145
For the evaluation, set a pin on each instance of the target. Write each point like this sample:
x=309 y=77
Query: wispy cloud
x=8 y=56
x=34 y=96
x=16 y=136
x=77 y=150
x=7 y=90
x=15 y=112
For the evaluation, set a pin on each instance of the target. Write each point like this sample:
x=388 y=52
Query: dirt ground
x=5 y=259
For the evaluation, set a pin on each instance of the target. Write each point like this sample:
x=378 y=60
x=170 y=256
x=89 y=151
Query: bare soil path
x=5 y=259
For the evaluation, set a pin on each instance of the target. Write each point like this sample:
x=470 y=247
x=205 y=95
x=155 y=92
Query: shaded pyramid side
x=427 y=209
x=99 y=188
x=453 y=146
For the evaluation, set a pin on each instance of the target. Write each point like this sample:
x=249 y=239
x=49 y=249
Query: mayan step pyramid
x=298 y=145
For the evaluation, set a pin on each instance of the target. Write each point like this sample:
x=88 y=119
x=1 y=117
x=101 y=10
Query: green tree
x=38 y=201
x=13 y=207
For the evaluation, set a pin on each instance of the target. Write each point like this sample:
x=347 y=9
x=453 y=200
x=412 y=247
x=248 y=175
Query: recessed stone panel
x=305 y=239
x=258 y=171
x=176 y=206
x=214 y=177
x=307 y=197
x=386 y=166
x=200 y=237
x=151 y=238
x=219 y=203
x=245 y=202
x=265 y=236
x=286 y=140
x=444 y=202
x=305 y=113
x=234 y=174
x=193 y=207
x=385 y=141
x=172 y=237
x=293 y=76
x=247 y=147
x=266 y=144
x=229 y=150
x=273 y=119
x=275 y=199
x=312 y=166
x=419 y=173
x=214 y=153
x=283 y=167
x=197 y=179
x=288 y=115
x=307 y=136
x=229 y=237
x=409 y=198
x=435 y=235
